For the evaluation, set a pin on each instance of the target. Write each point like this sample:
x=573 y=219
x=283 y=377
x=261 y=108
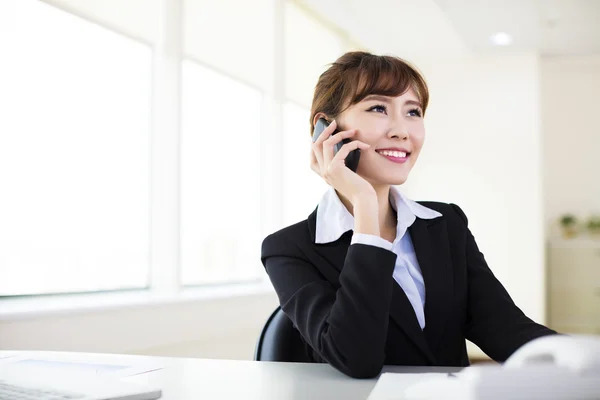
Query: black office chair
x=280 y=341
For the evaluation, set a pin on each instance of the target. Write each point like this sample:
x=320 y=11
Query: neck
x=387 y=215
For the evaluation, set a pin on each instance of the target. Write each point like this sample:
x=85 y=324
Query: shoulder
x=287 y=241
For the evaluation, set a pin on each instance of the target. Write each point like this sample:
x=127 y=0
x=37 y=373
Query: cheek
x=368 y=137
x=369 y=129
x=418 y=138
x=373 y=132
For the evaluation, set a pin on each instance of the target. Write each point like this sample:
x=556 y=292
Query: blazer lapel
x=404 y=315
x=334 y=253
x=430 y=240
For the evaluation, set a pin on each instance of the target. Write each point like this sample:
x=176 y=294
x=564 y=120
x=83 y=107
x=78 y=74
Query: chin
x=398 y=181
x=388 y=180
x=379 y=176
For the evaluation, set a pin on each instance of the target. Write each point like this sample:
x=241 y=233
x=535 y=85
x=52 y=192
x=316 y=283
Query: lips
x=395 y=155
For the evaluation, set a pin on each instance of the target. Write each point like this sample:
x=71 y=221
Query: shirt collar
x=333 y=219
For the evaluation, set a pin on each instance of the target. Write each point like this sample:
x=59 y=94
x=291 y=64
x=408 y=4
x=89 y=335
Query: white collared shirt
x=333 y=220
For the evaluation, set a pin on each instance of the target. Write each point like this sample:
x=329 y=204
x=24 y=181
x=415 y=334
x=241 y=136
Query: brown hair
x=357 y=74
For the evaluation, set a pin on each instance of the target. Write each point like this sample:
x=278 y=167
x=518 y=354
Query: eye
x=415 y=112
x=379 y=108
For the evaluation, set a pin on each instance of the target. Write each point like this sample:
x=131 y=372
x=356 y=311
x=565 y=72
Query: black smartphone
x=353 y=156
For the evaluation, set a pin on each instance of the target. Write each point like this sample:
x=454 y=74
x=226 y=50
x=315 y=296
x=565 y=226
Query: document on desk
x=96 y=364
x=391 y=386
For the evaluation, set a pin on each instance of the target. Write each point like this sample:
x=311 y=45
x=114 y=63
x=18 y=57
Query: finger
x=314 y=163
x=326 y=132
x=338 y=137
x=316 y=169
x=329 y=144
x=348 y=147
x=318 y=144
x=316 y=154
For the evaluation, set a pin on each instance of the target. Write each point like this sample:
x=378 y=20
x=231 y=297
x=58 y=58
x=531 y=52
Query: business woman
x=372 y=278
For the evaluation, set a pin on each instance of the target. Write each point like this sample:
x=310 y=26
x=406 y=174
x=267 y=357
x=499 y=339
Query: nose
x=398 y=130
x=399 y=133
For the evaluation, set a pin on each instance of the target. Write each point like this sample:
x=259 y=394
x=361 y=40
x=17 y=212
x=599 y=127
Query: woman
x=372 y=278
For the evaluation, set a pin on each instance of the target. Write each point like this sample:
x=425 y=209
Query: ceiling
x=403 y=27
x=433 y=27
x=550 y=27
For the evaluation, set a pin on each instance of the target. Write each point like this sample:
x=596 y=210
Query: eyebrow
x=386 y=99
x=414 y=103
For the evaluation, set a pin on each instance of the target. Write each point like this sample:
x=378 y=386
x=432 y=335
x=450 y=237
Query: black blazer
x=352 y=314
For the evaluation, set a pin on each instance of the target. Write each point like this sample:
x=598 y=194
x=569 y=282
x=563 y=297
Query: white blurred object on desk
x=553 y=367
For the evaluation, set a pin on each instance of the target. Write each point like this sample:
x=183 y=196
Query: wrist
x=366 y=216
x=365 y=199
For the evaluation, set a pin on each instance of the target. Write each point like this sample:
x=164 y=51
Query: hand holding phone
x=331 y=159
x=352 y=158
x=335 y=157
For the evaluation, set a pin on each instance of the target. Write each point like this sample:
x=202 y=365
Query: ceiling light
x=501 y=39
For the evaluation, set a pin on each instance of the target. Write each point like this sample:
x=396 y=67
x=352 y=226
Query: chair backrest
x=280 y=340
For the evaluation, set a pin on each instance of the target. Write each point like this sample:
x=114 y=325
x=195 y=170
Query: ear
x=318 y=116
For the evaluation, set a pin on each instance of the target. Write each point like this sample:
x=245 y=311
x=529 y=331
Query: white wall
x=221 y=328
x=571 y=126
x=483 y=152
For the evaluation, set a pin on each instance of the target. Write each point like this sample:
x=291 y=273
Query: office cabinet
x=574 y=285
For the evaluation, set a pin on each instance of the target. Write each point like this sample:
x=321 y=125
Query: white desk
x=183 y=378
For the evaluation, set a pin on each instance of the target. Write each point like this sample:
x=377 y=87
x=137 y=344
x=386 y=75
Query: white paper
x=391 y=386
x=90 y=364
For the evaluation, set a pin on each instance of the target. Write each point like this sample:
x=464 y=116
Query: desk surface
x=183 y=378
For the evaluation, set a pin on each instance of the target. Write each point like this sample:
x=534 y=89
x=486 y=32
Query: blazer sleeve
x=494 y=322
x=347 y=326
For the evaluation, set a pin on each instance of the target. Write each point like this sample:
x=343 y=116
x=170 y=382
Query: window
x=232 y=36
x=82 y=197
x=309 y=48
x=298 y=204
x=220 y=218
x=134 y=18
x=73 y=154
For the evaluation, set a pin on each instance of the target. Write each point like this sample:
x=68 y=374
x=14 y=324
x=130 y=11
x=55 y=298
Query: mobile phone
x=352 y=157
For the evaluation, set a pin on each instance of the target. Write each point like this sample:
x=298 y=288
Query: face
x=394 y=128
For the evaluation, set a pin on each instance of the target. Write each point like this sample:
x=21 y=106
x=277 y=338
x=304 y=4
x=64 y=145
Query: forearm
x=366 y=216
x=353 y=329
x=347 y=326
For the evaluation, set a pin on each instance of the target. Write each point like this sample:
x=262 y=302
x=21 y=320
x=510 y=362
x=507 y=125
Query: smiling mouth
x=394 y=155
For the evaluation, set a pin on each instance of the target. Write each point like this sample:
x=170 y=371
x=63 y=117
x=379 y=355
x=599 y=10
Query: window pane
x=137 y=18
x=309 y=48
x=298 y=203
x=234 y=36
x=73 y=154
x=220 y=178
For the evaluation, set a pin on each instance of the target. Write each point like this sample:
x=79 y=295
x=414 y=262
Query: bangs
x=358 y=74
x=386 y=76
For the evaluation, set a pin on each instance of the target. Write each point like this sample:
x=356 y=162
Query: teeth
x=397 y=154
